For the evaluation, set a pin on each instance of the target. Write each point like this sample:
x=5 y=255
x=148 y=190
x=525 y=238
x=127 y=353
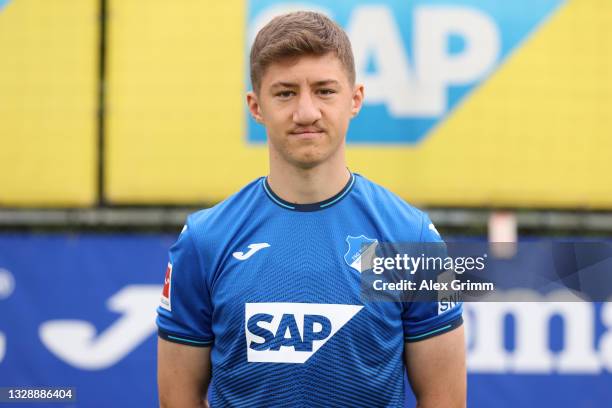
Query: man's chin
x=307 y=161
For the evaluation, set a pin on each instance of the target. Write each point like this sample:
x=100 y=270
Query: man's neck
x=306 y=186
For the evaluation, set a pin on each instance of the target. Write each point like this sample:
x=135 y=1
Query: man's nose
x=306 y=112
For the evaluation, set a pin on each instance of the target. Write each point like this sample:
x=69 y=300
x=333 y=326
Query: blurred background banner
x=175 y=102
x=468 y=103
x=81 y=313
x=48 y=102
x=418 y=60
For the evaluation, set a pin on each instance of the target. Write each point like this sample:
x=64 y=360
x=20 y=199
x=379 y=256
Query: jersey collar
x=321 y=205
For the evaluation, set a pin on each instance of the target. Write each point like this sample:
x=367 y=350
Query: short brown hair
x=295 y=34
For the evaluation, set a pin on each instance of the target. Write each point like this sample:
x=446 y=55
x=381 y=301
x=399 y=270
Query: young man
x=262 y=292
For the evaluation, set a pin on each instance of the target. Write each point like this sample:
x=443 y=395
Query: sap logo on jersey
x=418 y=59
x=291 y=332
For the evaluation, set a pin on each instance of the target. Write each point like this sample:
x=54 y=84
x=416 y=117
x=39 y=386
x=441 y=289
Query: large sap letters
x=291 y=332
x=405 y=59
x=420 y=89
x=417 y=59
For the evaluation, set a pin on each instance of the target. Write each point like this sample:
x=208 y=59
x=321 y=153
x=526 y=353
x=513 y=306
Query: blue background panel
x=72 y=277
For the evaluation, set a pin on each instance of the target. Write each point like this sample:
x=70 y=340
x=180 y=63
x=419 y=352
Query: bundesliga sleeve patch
x=165 y=296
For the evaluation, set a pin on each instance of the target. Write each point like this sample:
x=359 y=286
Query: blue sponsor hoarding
x=78 y=311
x=417 y=59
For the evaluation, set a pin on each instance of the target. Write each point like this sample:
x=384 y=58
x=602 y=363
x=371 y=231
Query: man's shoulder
x=386 y=201
x=223 y=214
x=401 y=220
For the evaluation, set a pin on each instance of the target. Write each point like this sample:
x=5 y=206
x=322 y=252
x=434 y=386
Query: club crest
x=358 y=248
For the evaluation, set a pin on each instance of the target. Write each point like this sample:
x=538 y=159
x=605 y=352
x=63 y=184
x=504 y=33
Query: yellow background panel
x=48 y=102
x=176 y=102
x=536 y=134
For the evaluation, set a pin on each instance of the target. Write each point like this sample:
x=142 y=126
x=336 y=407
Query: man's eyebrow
x=281 y=84
x=327 y=82
x=323 y=82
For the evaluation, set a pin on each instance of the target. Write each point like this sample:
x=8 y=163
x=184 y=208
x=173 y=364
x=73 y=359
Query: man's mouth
x=309 y=133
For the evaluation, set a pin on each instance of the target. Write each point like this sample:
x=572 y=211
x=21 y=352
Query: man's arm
x=183 y=374
x=436 y=370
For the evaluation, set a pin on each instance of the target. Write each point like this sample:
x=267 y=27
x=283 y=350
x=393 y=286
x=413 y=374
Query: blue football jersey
x=274 y=288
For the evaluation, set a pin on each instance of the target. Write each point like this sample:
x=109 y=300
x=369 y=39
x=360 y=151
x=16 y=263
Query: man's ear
x=254 y=107
x=357 y=100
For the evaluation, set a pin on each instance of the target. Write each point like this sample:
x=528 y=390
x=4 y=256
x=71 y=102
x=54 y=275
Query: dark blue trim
x=309 y=207
x=182 y=339
x=435 y=332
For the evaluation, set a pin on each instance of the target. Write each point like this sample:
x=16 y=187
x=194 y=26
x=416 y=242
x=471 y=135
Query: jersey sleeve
x=185 y=311
x=423 y=320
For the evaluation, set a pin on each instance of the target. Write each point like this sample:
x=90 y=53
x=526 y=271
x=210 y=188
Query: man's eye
x=326 y=92
x=285 y=94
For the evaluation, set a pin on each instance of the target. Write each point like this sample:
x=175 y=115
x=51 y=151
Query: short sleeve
x=185 y=311
x=423 y=320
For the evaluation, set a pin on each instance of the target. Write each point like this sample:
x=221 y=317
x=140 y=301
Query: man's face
x=306 y=105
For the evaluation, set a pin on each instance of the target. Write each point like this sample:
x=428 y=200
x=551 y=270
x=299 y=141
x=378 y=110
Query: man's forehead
x=314 y=70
